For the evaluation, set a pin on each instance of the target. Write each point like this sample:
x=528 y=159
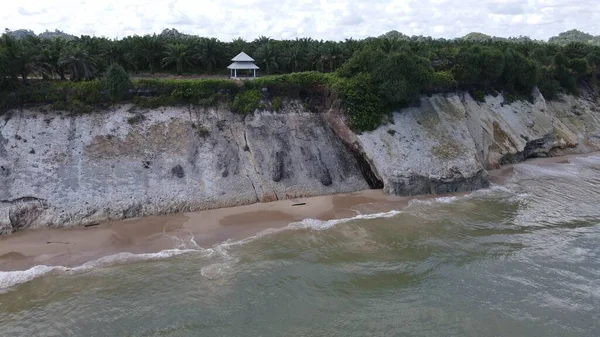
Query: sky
x=319 y=19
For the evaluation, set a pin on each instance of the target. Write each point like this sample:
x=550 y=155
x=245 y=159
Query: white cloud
x=320 y=19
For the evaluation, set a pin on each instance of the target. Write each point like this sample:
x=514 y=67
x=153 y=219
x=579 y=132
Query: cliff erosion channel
x=59 y=169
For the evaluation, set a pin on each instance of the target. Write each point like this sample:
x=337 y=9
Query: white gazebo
x=242 y=62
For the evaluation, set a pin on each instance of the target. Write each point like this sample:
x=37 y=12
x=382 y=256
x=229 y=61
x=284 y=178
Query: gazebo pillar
x=254 y=73
x=235 y=73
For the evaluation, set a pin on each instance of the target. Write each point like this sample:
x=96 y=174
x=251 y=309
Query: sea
x=517 y=259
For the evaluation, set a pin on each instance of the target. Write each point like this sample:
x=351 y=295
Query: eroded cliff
x=62 y=170
x=450 y=140
x=59 y=169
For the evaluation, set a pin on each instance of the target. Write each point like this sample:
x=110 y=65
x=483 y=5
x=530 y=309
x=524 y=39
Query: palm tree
x=391 y=44
x=268 y=56
x=178 y=54
x=350 y=47
x=262 y=40
x=24 y=56
x=294 y=56
x=111 y=51
x=237 y=46
x=130 y=53
x=79 y=63
x=313 y=56
x=210 y=52
x=52 y=52
x=331 y=55
x=151 y=48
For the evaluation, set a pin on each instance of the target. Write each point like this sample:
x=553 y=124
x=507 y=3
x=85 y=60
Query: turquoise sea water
x=522 y=259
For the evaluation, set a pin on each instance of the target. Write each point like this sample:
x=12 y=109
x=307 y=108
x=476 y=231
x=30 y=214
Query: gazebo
x=242 y=62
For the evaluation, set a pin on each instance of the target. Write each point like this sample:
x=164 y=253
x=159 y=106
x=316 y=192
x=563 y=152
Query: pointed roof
x=242 y=57
x=243 y=65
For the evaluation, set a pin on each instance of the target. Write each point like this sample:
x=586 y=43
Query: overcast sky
x=321 y=19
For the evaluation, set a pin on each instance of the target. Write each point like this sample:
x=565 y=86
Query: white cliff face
x=61 y=170
x=448 y=142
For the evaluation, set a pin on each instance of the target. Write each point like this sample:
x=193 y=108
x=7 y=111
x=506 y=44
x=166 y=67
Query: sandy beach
x=75 y=246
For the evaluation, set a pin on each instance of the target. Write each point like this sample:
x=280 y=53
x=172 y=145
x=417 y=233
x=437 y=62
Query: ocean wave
x=9 y=279
x=533 y=171
x=593 y=160
x=434 y=201
x=326 y=224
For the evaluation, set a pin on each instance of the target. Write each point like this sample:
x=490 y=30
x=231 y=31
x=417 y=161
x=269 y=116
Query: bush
x=362 y=103
x=478 y=95
x=117 y=82
x=75 y=106
x=154 y=102
x=246 y=102
x=276 y=104
x=549 y=87
x=443 y=81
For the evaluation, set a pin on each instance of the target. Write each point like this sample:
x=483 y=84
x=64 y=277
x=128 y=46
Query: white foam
x=10 y=279
x=592 y=161
x=440 y=200
x=524 y=171
x=321 y=225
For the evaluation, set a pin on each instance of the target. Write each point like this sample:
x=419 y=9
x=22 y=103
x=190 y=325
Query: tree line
x=49 y=55
x=374 y=75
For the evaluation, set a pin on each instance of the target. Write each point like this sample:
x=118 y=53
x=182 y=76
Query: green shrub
x=246 y=102
x=443 y=81
x=276 y=104
x=363 y=105
x=117 y=82
x=550 y=89
x=154 y=102
x=478 y=95
x=74 y=106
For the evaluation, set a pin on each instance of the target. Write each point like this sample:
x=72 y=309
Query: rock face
x=449 y=141
x=59 y=170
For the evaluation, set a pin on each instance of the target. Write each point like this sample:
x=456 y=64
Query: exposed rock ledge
x=61 y=170
x=448 y=142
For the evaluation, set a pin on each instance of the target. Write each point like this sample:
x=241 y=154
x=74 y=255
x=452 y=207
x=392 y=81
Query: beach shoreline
x=70 y=247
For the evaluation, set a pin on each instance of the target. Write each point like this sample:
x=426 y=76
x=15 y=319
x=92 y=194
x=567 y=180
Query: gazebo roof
x=243 y=65
x=242 y=57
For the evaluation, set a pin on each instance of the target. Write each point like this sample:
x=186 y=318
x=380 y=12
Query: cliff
x=59 y=169
x=63 y=170
x=449 y=141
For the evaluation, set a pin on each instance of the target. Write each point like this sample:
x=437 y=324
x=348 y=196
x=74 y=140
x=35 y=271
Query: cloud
x=27 y=12
x=507 y=8
x=319 y=19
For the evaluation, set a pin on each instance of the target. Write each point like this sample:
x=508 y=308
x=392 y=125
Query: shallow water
x=522 y=259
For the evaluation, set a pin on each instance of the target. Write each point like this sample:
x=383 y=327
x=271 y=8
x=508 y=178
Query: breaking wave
x=9 y=279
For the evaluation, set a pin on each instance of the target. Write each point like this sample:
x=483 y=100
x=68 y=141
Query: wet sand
x=75 y=246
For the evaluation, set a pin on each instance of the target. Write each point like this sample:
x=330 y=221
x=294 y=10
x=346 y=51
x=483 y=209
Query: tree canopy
x=377 y=73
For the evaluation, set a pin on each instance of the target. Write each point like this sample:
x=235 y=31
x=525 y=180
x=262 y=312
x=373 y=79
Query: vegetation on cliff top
x=371 y=76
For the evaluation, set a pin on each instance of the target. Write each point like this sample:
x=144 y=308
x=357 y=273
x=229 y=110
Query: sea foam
x=9 y=279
